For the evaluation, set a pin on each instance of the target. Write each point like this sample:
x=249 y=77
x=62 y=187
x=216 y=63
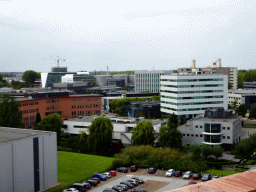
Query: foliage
x=217 y=151
x=173 y=119
x=154 y=98
x=252 y=114
x=10 y=116
x=1 y=77
x=18 y=85
x=170 y=136
x=82 y=142
x=38 y=118
x=143 y=133
x=196 y=151
x=100 y=136
x=234 y=105
x=30 y=77
x=140 y=114
x=206 y=150
x=220 y=172
x=242 y=110
x=53 y=123
x=245 y=146
x=245 y=76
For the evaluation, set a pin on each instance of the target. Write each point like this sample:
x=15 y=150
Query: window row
x=188 y=109
x=189 y=86
x=192 y=135
x=52 y=101
x=197 y=97
x=192 y=103
x=29 y=111
x=192 y=80
x=49 y=108
x=85 y=106
x=82 y=113
x=187 y=92
x=84 y=100
x=30 y=103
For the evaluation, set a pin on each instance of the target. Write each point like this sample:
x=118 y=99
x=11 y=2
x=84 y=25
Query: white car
x=215 y=177
x=107 y=174
x=71 y=190
x=170 y=173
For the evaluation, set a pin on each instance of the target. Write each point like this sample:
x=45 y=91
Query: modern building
x=116 y=82
x=149 y=80
x=215 y=68
x=102 y=80
x=122 y=127
x=249 y=85
x=28 y=160
x=243 y=96
x=79 y=77
x=215 y=127
x=188 y=95
x=68 y=106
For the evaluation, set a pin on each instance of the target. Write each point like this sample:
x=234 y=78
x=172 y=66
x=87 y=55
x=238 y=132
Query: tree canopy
x=38 y=117
x=252 y=114
x=30 y=77
x=10 y=116
x=1 y=77
x=242 y=110
x=143 y=133
x=100 y=136
x=173 y=119
x=245 y=76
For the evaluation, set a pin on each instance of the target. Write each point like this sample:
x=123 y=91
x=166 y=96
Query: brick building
x=67 y=106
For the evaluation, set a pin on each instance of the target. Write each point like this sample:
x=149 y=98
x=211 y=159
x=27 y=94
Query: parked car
x=126 y=187
x=87 y=185
x=196 y=176
x=134 y=168
x=177 y=173
x=119 y=189
x=139 y=190
x=152 y=170
x=100 y=176
x=109 y=190
x=96 y=179
x=79 y=186
x=140 y=181
x=133 y=181
x=122 y=169
x=215 y=177
x=187 y=175
x=192 y=182
x=130 y=185
x=206 y=177
x=112 y=172
x=107 y=174
x=71 y=190
x=170 y=173
x=92 y=182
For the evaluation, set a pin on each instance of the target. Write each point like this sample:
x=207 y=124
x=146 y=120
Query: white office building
x=149 y=80
x=188 y=95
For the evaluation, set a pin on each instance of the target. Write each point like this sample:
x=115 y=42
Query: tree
x=217 y=151
x=1 y=77
x=83 y=146
x=242 y=110
x=52 y=122
x=173 y=119
x=196 y=150
x=10 y=116
x=234 y=105
x=252 y=114
x=100 y=136
x=30 y=77
x=170 y=136
x=143 y=133
x=38 y=118
x=206 y=150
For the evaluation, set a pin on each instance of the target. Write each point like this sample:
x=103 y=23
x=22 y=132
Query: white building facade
x=188 y=95
x=149 y=80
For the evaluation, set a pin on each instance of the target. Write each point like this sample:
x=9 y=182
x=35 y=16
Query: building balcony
x=207 y=140
x=207 y=143
x=212 y=133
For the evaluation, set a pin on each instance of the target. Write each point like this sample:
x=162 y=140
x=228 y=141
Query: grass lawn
x=249 y=125
x=77 y=167
x=220 y=172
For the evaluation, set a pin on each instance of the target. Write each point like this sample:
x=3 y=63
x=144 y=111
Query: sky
x=126 y=35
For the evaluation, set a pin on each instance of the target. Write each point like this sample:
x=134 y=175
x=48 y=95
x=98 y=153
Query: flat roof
x=231 y=119
x=8 y=134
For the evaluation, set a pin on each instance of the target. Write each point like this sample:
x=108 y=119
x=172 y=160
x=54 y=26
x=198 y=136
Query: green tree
x=143 y=133
x=83 y=146
x=52 y=122
x=30 y=77
x=38 y=118
x=196 y=151
x=170 y=136
x=217 y=151
x=10 y=116
x=100 y=136
x=173 y=119
x=206 y=150
x=1 y=77
x=234 y=105
x=252 y=114
x=242 y=110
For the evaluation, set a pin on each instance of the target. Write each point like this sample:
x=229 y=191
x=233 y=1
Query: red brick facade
x=68 y=107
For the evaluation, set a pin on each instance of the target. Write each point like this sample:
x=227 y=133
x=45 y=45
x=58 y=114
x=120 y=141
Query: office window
x=223 y=137
x=228 y=137
x=184 y=134
x=192 y=135
x=201 y=135
x=228 y=128
x=196 y=126
x=187 y=134
x=201 y=126
x=196 y=135
x=223 y=128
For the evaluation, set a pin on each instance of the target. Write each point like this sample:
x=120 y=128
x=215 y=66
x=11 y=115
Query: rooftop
x=231 y=119
x=11 y=134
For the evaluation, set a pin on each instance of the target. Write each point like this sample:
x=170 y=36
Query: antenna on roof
x=58 y=60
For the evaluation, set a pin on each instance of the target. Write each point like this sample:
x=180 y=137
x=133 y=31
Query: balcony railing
x=212 y=140
x=212 y=131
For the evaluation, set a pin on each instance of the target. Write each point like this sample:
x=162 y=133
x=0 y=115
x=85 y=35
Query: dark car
x=125 y=187
x=119 y=189
x=79 y=186
x=100 y=176
x=196 y=176
x=96 y=179
x=134 y=168
x=177 y=173
x=122 y=169
x=139 y=190
x=128 y=184
x=140 y=181
x=109 y=190
x=152 y=170
x=92 y=182
x=206 y=177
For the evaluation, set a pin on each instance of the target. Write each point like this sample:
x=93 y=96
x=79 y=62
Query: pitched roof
x=240 y=182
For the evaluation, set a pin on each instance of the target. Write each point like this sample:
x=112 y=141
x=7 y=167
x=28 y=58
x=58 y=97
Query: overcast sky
x=126 y=35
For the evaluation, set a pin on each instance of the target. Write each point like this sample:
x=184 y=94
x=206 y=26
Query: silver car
x=71 y=190
x=187 y=175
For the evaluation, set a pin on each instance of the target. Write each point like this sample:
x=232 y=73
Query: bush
x=245 y=146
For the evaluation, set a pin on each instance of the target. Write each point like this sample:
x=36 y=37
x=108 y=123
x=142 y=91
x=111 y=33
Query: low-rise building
x=249 y=85
x=215 y=127
x=243 y=96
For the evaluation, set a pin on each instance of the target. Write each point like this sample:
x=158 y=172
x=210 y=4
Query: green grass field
x=220 y=172
x=76 y=167
x=249 y=125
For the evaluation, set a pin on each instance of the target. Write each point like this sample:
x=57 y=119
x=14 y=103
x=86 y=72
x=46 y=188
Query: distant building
x=28 y=160
x=188 y=95
x=243 y=96
x=149 y=81
x=215 y=127
x=116 y=82
x=249 y=85
x=102 y=80
x=214 y=69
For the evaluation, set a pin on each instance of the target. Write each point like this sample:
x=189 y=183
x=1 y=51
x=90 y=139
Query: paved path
x=174 y=183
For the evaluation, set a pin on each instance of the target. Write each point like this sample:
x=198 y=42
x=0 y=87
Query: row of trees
x=245 y=76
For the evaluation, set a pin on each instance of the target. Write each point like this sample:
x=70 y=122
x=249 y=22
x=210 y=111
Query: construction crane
x=58 y=60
